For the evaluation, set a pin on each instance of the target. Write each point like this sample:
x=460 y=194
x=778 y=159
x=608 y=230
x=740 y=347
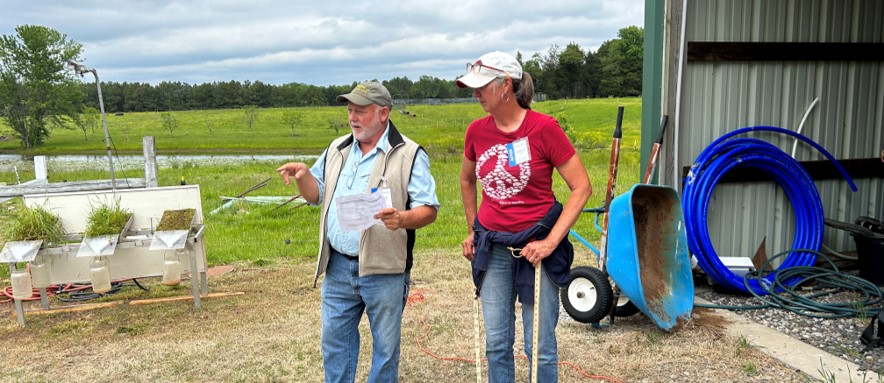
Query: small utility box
x=133 y=256
x=738 y=265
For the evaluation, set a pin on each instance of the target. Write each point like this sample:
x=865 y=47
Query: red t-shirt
x=516 y=197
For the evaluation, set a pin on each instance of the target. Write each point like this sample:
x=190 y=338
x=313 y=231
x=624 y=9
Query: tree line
x=38 y=93
x=614 y=70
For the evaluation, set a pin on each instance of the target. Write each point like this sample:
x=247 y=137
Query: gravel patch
x=839 y=337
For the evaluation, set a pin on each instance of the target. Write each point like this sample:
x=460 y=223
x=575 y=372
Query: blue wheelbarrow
x=644 y=233
x=648 y=262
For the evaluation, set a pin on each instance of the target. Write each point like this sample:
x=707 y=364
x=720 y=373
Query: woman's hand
x=536 y=251
x=468 y=251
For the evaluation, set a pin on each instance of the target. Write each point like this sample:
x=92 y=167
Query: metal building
x=714 y=66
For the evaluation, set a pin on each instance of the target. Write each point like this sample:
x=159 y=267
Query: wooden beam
x=140 y=302
x=150 y=161
x=31 y=182
x=77 y=308
x=183 y=298
x=73 y=186
x=779 y=51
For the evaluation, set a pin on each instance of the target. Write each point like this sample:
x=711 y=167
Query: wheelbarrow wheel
x=588 y=296
x=625 y=307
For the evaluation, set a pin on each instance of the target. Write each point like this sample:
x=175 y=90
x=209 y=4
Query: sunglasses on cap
x=481 y=69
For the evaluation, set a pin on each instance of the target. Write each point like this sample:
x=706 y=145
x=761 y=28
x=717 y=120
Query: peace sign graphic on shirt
x=499 y=183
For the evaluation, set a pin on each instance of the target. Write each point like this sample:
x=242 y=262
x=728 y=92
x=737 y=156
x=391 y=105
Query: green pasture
x=436 y=127
x=260 y=234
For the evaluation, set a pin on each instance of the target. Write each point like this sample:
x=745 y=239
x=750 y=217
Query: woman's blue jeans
x=345 y=296
x=498 y=295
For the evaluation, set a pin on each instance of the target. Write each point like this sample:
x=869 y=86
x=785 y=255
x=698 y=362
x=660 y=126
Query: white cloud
x=322 y=43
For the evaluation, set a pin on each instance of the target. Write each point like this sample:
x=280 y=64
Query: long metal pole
x=107 y=145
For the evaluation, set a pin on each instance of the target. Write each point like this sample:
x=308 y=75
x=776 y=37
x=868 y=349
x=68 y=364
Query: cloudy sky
x=316 y=42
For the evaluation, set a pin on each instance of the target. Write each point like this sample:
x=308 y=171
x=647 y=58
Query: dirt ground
x=271 y=334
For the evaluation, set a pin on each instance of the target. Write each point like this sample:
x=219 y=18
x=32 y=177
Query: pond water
x=10 y=162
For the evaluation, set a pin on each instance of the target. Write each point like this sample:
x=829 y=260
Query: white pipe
x=676 y=173
x=801 y=125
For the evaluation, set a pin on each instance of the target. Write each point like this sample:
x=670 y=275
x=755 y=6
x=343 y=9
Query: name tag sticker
x=385 y=192
x=518 y=151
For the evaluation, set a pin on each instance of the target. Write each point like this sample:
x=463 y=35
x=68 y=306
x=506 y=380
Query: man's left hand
x=391 y=217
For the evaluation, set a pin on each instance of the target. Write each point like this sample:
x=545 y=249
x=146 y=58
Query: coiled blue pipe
x=725 y=154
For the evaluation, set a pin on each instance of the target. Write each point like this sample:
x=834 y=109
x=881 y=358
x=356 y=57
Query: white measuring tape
x=535 y=330
x=478 y=336
x=536 y=325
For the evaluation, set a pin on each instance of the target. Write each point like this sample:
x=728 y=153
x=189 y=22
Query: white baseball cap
x=488 y=67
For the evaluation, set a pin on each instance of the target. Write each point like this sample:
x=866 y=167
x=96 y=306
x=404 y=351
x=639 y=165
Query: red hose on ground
x=35 y=293
x=51 y=290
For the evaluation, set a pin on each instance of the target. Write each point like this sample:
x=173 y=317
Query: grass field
x=437 y=127
x=258 y=233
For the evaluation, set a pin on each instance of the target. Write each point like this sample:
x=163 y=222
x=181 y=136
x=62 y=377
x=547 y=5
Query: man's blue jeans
x=345 y=296
x=498 y=297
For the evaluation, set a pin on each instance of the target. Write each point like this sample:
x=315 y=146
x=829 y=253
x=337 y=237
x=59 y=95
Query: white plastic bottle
x=21 y=284
x=100 y=275
x=171 y=269
x=40 y=272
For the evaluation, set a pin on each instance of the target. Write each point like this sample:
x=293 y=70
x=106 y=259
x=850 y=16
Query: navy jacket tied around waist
x=557 y=265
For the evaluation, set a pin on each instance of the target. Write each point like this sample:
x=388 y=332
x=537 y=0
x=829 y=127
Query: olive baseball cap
x=369 y=92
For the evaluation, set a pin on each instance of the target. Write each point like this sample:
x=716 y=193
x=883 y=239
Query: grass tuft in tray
x=34 y=223
x=107 y=218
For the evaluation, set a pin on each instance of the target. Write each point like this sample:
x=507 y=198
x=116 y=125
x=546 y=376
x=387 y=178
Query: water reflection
x=9 y=162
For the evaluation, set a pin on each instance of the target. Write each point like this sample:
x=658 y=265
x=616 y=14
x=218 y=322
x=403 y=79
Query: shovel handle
x=612 y=182
x=655 y=150
x=663 y=122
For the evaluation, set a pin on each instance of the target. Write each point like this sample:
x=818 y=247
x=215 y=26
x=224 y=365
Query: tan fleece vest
x=381 y=250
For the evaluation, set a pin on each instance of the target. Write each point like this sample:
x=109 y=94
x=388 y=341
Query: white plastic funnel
x=169 y=240
x=20 y=251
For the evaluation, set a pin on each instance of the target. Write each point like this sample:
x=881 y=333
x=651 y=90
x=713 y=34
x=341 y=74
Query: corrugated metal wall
x=719 y=97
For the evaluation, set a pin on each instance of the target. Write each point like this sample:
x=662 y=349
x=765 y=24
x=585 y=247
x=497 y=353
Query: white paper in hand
x=356 y=212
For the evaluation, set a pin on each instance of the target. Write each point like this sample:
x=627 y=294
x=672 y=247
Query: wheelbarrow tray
x=648 y=253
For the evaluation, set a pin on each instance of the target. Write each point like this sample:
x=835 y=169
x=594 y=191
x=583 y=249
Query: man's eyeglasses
x=479 y=68
x=353 y=176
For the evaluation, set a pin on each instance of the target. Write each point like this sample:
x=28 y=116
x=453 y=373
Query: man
x=367 y=270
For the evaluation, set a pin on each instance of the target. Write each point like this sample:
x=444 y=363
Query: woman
x=513 y=152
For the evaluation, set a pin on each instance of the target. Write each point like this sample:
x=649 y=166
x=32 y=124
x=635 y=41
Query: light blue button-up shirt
x=353 y=179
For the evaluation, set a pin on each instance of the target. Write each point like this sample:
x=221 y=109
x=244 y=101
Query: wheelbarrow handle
x=598 y=212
